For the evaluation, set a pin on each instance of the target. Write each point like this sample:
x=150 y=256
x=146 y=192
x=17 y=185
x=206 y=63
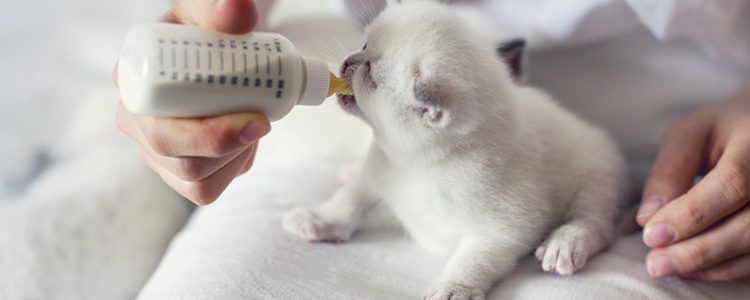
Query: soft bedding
x=236 y=249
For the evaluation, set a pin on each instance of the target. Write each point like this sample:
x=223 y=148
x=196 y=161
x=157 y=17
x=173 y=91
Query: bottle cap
x=317 y=83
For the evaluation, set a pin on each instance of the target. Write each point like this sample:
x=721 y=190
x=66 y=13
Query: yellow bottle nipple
x=339 y=86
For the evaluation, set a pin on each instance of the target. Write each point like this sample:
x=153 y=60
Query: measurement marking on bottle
x=268 y=64
x=174 y=57
x=279 y=63
x=233 y=64
x=244 y=60
x=161 y=56
x=278 y=45
x=198 y=59
x=221 y=60
x=210 y=60
x=186 y=57
x=256 y=63
x=257 y=82
x=246 y=81
x=278 y=94
x=269 y=83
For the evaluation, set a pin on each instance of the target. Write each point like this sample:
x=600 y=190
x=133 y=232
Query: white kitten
x=474 y=166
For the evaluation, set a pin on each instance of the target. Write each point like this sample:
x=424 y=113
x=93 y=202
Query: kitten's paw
x=563 y=252
x=308 y=225
x=447 y=291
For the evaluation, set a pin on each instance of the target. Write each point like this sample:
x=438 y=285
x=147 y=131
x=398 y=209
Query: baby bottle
x=186 y=71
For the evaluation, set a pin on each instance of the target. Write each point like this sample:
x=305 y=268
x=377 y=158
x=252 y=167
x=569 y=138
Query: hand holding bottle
x=199 y=157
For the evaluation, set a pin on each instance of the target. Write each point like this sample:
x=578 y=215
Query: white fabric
x=719 y=27
x=80 y=216
x=236 y=249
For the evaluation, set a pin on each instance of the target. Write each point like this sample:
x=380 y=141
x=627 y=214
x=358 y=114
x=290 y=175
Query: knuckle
x=695 y=258
x=189 y=169
x=694 y=214
x=223 y=142
x=201 y=193
x=158 y=144
x=735 y=183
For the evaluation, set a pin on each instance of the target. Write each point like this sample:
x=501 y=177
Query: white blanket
x=236 y=249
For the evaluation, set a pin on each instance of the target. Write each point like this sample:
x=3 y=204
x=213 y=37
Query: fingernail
x=649 y=206
x=252 y=133
x=657 y=234
x=661 y=265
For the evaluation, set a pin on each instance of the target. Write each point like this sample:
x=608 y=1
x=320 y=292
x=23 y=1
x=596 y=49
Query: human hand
x=199 y=157
x=701 y=231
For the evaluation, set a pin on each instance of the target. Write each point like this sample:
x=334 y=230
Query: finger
x=205 y=191
x=733 y=269
x=126 y=122
x=723 y=191
x=722 y=242
x=185 y=168
x=230 y=16
x=250 y=159
x=212 y=137
x=675 y=166
x=209 y=137
x=192 y=168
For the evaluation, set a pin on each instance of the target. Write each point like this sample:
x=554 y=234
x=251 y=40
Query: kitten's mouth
x=346 y=100
x=347 y=71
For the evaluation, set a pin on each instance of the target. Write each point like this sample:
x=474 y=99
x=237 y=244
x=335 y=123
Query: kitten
x=475 y=167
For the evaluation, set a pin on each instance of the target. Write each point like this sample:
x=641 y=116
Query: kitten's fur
x=475 y=166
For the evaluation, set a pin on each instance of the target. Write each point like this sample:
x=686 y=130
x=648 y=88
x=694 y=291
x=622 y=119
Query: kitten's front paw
x=308 y=225
x=447 y=291
x=563 y=253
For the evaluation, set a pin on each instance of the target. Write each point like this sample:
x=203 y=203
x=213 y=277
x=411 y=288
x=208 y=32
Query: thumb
x=230 y=16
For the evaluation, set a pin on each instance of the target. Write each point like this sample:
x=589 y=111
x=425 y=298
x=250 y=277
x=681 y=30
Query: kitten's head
x=424 y=74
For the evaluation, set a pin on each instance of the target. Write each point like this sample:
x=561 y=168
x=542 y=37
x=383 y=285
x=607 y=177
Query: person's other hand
x=701 y=231
x=199 y=157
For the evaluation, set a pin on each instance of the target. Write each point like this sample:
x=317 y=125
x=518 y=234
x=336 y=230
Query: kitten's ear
x=513 y=53
x=432 y=100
